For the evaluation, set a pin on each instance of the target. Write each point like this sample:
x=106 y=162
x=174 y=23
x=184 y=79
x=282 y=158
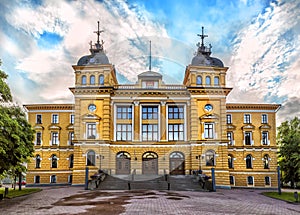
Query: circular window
x=92 y=108
x=208 y=107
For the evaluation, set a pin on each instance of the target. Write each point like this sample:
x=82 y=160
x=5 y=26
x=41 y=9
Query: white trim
x=50 y=172
x=256 y=173
x=89 y=96
x=149 y=98
x=158 y=121
x=148 y=146
x=208 y=96
x=254 y=149
x=57 y=118
x=250 y=111
x=51 y=111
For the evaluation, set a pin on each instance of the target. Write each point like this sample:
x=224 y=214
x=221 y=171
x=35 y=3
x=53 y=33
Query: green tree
x=288 y=139
x=16 y=134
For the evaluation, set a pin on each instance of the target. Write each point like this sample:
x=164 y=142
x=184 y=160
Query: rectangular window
x=124 y=112
x=150 y=112
x=228 y=119
x=72 y=118
x=54 y=118
x=124 y=132
x=38 y=138
x=208 y=130
x=231 y=179
x=264 y=138
x=267 y=180
x=250 y=180
x=37 y=179
x=175 y=132
x=175 y=112
x=91 y=131
x=149 y=132
x=53 y=179
x=247 y=118
x=54 y=138
x=39 y=119
x=230 y=138
x=248 y=138
x=264 y=118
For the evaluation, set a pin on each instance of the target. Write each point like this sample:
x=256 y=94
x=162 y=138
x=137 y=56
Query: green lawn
x=15 y=193
x=285 y=196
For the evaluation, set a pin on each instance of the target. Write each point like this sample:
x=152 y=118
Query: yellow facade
x=154 y=128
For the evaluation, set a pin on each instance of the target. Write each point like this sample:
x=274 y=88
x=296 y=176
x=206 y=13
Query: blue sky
x=257 y=39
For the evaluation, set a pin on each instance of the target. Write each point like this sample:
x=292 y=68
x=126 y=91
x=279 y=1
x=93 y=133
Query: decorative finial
x=202 y=36
x=150 y=57
x=98 y=32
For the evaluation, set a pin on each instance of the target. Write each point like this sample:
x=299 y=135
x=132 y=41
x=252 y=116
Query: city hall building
x=153 y=128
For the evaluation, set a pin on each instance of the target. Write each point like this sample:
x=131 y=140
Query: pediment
x=91 y=116
x=70 y=127
x=54 y=127
x=38 y=127
x=231 y=127
x=265 y=126
x=248 y=126
x=209 y=117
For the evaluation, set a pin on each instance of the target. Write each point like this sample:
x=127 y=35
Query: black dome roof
x=205 y=60
x=96 y=58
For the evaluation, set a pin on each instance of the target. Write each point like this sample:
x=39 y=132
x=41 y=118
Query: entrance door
x=177 y=163
x=150 y=163
x=123 y=163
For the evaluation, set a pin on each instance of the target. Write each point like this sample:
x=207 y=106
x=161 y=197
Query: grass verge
x=15 y=193
x=285 y=196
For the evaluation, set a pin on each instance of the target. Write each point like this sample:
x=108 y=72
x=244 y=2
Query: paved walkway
x=75 y=200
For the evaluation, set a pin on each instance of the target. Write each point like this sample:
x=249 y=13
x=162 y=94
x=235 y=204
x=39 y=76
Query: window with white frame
x=250 y=180
x=175 y=132
x=149 y=132
x=210 y=158
x=149 y=112
x=38 y=161
x=54 y=138
x=230 y=137
x=249 y=161
x=38 y=138
x=266 y=160
x=54 y=118
x=91 y=130
x=231 y=179
x=267 y=180
x=248 y=138
x=53 y=179
x=228 y=118
x=247 y=118
x=264 y=118
x=91 y=158
x=175 y=112
x=124 y=112
x=265 y=138
x=54 y=160
x=36 y=179
x=124 y=132
x=101 y=79
x=39 y=119
x=230 y=161
x=208 y=130
x=72 y=119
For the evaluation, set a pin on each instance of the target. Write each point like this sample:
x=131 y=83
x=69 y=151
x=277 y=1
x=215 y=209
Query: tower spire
x=202 y=49
x=202 y=36
x=150 y=57
x=98 y=32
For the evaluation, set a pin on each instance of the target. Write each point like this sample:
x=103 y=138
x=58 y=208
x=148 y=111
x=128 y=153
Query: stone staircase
x=150 y=182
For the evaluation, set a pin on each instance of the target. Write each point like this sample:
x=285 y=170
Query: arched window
x=71 y=161
x=266 y=161
x=90 y=158
x=249 y=161
x=216 y=80
x=199 y=80
x=101 y=79
x=207 y=80
x=230 y=161
x=54 y=161
x=38 y=161
x=83 y=80
x=92 y=80
x=210 y=158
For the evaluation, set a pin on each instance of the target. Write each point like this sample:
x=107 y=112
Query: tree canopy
x=16 y=134
x=288 y=138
